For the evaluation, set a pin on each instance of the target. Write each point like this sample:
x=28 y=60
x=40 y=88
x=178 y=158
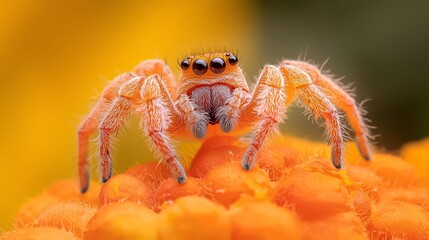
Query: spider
x=212 y=90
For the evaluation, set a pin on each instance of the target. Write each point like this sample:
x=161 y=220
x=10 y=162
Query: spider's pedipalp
x=228 y=115
x=194 y=120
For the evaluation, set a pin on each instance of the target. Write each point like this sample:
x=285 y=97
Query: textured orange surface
x=294 y=193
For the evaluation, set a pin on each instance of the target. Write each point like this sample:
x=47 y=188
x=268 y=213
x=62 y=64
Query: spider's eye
x=199 y=67
x=233 y=60
x=217 y=65
x=184 y=64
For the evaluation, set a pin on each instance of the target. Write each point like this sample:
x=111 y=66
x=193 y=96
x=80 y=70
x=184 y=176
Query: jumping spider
x=212 y=90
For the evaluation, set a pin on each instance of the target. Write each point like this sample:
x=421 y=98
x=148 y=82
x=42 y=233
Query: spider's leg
x=93 y=119
x=310 y=94
x=90 y=124
x=157 y=110
x=348 y=104
x=157 y=66
x=113 y=120
x=268 y=102
x=343 y=100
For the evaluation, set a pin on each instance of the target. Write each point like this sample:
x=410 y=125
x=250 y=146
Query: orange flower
x=295 y=193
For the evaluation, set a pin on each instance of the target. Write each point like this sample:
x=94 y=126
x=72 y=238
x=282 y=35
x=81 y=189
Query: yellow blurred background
x=56 y=56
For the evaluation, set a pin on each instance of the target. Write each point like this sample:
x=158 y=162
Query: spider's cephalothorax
x=212 y=90
x=208 y=82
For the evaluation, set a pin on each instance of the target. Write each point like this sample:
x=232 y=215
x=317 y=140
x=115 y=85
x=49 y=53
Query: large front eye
x=199 y=67
x=217 y=65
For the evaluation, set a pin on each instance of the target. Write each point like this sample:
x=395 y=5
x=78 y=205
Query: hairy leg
x=321 y=106
x=156 y=109
x=157 y=66
x=268 y=101
x=346 y=103
x=110 y=92
x=90 y=124
x=113 y=120
x=343 y=100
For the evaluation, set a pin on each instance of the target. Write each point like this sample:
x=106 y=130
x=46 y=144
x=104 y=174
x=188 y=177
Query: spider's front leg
x=109 y=98
x=269 y=103
x=157 y=109
x=155 y=105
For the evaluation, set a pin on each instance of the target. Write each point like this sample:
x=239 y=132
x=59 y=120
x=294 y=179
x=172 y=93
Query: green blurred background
x=56 y=56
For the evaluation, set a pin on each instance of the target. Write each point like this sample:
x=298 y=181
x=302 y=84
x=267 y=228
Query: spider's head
x=210 y=69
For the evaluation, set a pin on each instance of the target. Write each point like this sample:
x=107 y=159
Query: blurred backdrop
x=56 y=56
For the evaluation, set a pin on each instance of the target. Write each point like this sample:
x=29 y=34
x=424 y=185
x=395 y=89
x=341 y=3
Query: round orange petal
x=312 y=194
x=414 y=195
x=193 y=217
x=339 y=226
x=70 y=216
x=170 y=190
x=45 y=233
x=150 y=173
x=69 y=190
x=122 y=187
x=399 y=220
x=124 y=220
x=273 y=162
x=368 y=180
x=417 y=153
x=228 y=182
x=394 y=170
x=264 y=220
x=215 y=151
x=32 y=208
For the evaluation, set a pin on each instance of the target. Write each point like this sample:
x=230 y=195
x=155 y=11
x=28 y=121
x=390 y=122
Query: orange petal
x=45 y=233
x=69 y=190
x=417 y=153
x=394 y=170
x=339 y=226
x=32 y=208
x=151 y=173
x=215 y=151
x=69 y=216
x=399 y=220
x=312 y=194
x=228 y=182
x=264 y=220
x=125 y=220
x=122 y=187
x=170 y=190
x=194 y=217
